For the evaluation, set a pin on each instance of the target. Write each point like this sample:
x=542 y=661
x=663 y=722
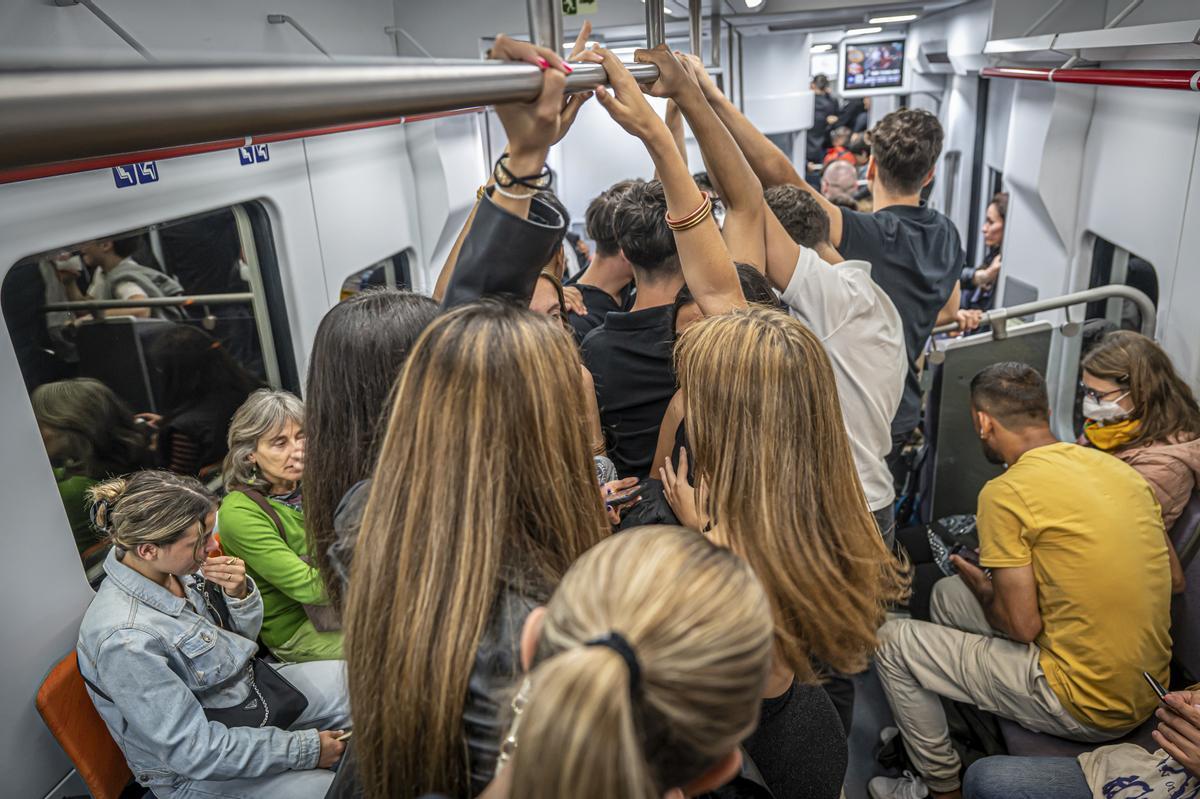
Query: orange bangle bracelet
x=695 y=217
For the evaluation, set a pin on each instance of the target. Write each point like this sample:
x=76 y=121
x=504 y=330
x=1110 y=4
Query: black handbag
x=273 y=701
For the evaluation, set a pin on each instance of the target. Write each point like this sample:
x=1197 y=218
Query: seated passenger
x=839 y=182
x=198 y=389
x=262 y=522
x=357 y=354
x=90 y=434
x=483 y=495
x=117 y=276
x=645 y=670
x=840 y=140
x=1076 y=606
x=1139 y=409
x=167 y=650
x=1121 y=770
x=607 y=282
x=979 y=283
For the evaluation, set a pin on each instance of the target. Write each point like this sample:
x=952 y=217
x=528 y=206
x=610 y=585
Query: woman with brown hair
x=1140 y=410
x=483 y=495
x=776 y=483
x=645 y=670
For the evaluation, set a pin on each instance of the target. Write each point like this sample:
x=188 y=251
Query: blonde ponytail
x=652 y=657
x=580 y=707
x=148 y=507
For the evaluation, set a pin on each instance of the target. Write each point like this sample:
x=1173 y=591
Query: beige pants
x=962 y=658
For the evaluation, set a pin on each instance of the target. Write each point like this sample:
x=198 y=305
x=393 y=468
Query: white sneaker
x=887 y=735
x=908 y=786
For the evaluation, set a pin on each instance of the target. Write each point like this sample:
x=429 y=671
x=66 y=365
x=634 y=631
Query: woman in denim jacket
x=155 y=655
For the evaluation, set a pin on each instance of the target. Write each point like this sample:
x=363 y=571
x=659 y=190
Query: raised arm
x=532 y=129
x=707 y=266
x=741 y=191
x=772 y=166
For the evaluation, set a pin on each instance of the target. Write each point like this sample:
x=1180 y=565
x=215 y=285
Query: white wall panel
x=364 y=200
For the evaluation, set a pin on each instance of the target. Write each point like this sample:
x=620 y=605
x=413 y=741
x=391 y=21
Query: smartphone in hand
x=966 y=553
x=624 y=497
x=1156 y=685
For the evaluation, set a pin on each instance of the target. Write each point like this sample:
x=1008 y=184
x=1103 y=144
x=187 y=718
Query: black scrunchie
x=617 y=643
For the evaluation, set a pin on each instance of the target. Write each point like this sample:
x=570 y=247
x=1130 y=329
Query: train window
x=394 y=271
x=137 y=348
x=1114 y=264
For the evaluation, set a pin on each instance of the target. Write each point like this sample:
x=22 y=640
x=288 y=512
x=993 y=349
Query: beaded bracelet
x=694 y=218
x=504 y=177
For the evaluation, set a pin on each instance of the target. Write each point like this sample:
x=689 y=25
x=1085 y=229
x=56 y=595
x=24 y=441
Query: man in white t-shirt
x=859 y=326
x=104 y=256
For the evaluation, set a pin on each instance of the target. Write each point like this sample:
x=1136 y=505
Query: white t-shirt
x=98 y=289
x=864 y=338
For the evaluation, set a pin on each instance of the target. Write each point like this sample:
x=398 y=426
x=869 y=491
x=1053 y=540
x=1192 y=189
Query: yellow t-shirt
x=1092 y=529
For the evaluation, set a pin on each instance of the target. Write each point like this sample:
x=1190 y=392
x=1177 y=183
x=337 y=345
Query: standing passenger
x=262 y=522
x=645 y=671
x=359 y=350
x=176 y=679
x=483 y=495
x=605 y=285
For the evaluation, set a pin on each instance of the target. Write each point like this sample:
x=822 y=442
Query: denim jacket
x=162 y=659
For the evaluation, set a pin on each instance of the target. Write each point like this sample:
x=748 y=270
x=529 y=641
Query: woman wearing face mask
x=262 y=521
x=167 y=650
x=1138 y=409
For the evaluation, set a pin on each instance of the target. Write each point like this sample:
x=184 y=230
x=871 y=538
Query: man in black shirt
x=606 y=284
x=916 y=251
x=629 y=355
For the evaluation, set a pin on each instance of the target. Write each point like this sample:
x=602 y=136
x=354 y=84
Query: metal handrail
x=240 y=298
x=53 y=115
x=999 y=317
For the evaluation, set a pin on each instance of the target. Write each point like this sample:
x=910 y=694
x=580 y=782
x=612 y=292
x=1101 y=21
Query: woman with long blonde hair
x=483 y=495
x=645 y=670
x=777 y=484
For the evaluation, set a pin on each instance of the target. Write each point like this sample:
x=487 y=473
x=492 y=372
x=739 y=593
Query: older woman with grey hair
x=261 y=521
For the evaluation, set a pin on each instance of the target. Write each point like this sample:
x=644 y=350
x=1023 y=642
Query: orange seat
x=68 y=711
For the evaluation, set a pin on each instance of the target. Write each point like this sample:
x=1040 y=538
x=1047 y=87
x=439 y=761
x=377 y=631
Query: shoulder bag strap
x=261 y=501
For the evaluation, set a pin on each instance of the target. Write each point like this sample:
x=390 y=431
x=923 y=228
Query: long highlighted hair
x=484 y=480
x=771 y=451
x=700 y=629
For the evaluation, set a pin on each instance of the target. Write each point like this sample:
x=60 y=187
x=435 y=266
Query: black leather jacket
x=503 y=254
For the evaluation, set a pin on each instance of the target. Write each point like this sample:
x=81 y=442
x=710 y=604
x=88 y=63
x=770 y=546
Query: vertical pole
x=545 y=24
x=715 y=35
x=741 y=83
x=695 y=19
x=656 y=32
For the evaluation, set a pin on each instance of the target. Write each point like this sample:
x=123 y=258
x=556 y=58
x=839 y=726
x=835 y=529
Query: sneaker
x=908 y=786
x=890 y=753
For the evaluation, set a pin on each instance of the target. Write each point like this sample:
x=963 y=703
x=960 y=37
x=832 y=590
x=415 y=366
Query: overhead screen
x=873 y=65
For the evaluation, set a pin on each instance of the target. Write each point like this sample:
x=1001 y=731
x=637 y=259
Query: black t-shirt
x=916 y=257
x=629 y=357
x=599 y=304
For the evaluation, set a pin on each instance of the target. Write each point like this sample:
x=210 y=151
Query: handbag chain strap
x=249 y=666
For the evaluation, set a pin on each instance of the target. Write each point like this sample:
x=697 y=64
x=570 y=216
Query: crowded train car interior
x=595 y=398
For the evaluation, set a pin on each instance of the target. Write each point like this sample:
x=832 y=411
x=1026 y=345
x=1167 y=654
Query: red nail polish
x=567 y=67
x=543 y=63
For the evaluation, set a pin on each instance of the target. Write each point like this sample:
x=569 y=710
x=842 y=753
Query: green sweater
x=286 y=581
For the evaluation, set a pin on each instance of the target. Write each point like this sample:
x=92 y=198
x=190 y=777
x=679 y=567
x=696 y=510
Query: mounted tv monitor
x=873 y=65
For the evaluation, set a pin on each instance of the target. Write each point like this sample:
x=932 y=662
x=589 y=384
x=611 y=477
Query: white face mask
x=1107 y=411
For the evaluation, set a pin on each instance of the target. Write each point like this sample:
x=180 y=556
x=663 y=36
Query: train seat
x=1185 y=636
x=68 y=711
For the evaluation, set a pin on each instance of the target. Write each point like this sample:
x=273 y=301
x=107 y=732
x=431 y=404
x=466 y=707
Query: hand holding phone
x=624 y=497
x=966 y=553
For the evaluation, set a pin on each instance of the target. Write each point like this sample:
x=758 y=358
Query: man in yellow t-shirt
x=1076 y=607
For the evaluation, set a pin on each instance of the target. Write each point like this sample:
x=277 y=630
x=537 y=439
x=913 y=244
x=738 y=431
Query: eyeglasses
x=1099 y=396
